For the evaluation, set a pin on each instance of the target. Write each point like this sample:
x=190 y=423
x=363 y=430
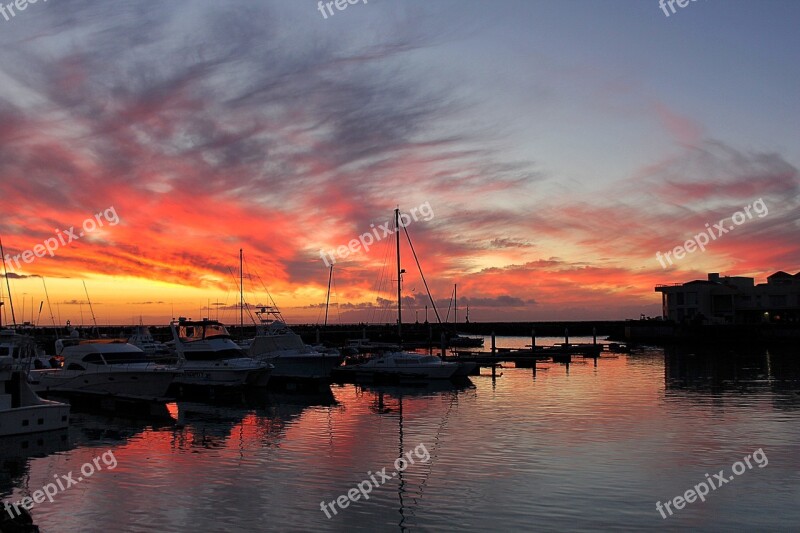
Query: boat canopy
x=206 y=329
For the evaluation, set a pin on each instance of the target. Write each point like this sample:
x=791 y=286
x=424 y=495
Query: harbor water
x=589 y=446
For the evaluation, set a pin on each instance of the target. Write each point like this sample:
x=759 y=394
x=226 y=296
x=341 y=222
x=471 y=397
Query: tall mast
x=328 y=299
x=455 y=297
x=241 y=293
x=399 y=289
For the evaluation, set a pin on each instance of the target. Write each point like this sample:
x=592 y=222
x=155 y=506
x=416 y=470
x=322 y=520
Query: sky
x=558 y=150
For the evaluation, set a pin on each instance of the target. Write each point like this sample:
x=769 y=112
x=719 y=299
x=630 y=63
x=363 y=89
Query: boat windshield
x=202 y=330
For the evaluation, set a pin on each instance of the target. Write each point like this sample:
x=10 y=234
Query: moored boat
x=106 y=368
x=277 y=344
x=22 y=411
x=209 y=357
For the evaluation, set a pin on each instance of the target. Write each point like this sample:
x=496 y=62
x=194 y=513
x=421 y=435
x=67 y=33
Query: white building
x=733 y=300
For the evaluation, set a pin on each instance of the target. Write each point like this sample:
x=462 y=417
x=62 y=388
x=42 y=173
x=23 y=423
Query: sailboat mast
x=399 y=289
x=241 y=293
x=328 y=298
x=455 y=297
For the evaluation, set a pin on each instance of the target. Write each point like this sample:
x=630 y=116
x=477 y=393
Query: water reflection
x=745 y=372
x=15 y=452
x=591 y=449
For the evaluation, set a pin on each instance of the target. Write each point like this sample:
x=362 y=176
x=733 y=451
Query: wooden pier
x=528 y=357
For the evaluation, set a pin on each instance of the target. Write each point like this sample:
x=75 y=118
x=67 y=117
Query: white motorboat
x=22 y=411
x=402 y=365
x=278 y=345
x=108 y=368
x=209 y=357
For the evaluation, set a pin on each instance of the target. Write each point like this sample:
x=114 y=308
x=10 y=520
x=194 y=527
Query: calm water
x=580 y=448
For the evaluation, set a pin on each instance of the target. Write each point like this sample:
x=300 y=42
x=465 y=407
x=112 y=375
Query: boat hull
x=128 y=384
x=303 y=366
x=223 y=374
x=406 y=372
x=44 y=417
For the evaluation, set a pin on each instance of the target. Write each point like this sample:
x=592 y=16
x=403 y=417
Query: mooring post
x=494 y=345
x=594 y=335
x=444 y=345
x=533 y=340
x=566 y=337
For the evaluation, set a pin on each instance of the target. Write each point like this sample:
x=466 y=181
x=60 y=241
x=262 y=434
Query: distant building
x=733 y=300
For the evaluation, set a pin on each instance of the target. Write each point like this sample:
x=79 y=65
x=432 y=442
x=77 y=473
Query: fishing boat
x=277 y=344
x=106 y=367
x=22 y=411
x=209 y=357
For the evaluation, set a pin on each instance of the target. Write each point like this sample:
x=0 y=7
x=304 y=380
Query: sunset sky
x=559 y=144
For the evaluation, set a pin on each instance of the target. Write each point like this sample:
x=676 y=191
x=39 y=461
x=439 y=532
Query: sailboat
x=401 y=365
x=458 y=340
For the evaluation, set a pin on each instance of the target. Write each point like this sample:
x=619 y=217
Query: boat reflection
x=261 y=419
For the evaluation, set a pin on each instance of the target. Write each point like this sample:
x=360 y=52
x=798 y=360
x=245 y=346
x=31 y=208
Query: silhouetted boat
x=209 y=357
x=277 y=344
x=22 y=411
x=106 y=368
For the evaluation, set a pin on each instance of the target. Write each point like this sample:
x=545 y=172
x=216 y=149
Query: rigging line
x=378 y=287
x=433 y=303
x=336 y=298
x=49 y=307
x=94 y=319
x=8 y=284
x=449 y=305
x=264 y=286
